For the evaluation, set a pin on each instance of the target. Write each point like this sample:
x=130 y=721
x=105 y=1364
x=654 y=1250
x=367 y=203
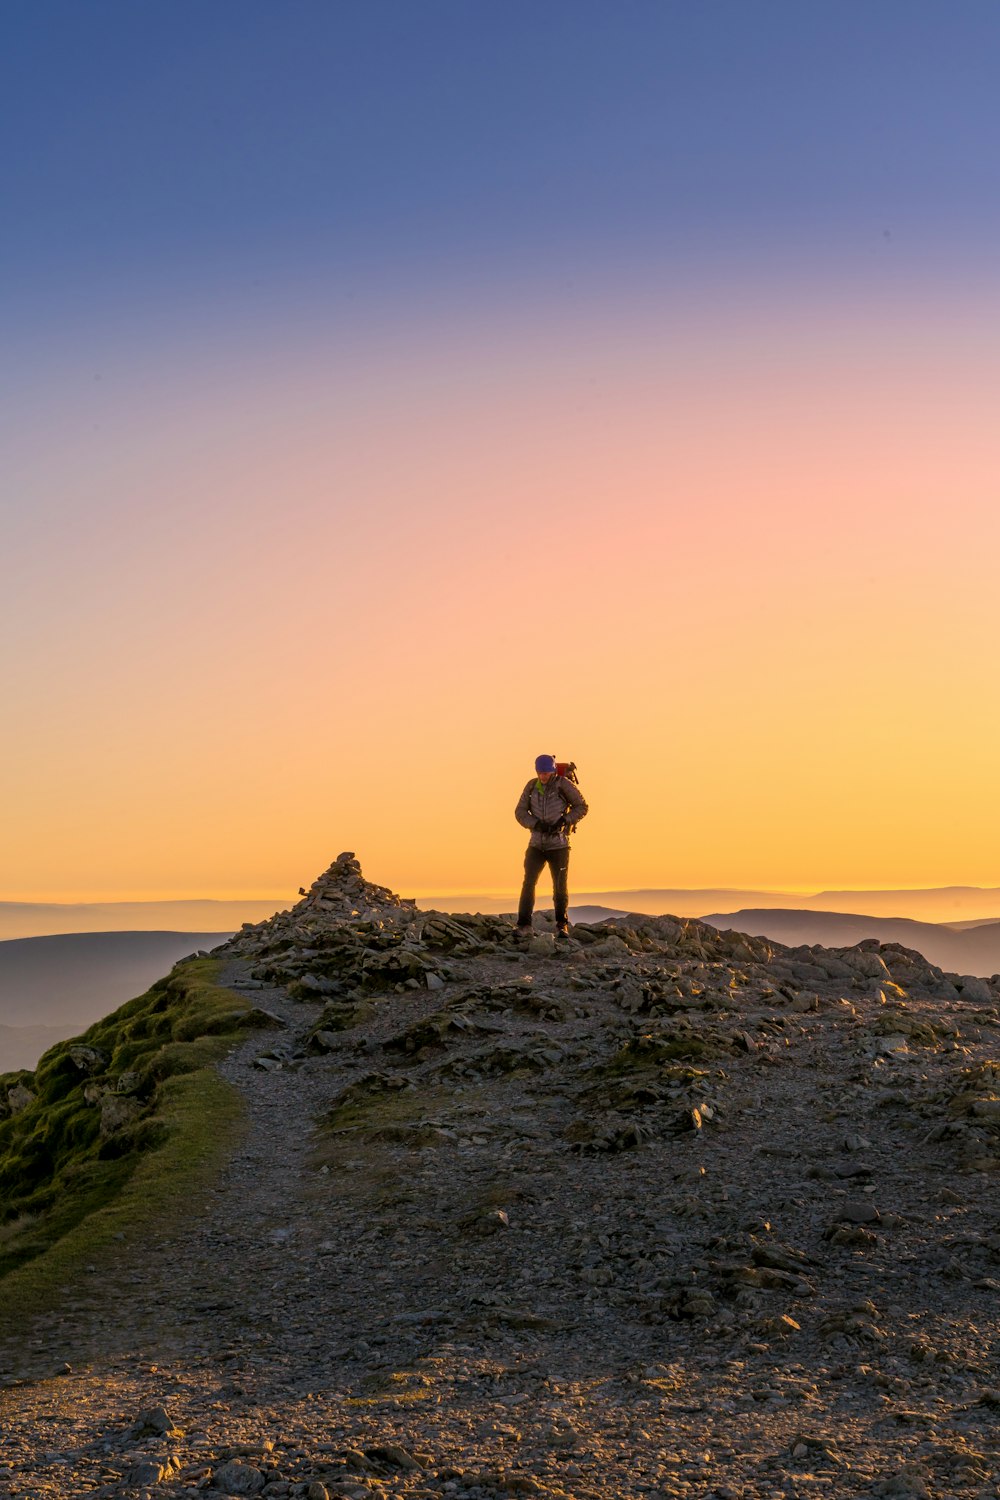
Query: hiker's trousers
x=535 y=861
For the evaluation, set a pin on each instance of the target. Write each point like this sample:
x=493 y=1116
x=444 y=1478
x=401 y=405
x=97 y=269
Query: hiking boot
x=562 y=931
x=523 y=930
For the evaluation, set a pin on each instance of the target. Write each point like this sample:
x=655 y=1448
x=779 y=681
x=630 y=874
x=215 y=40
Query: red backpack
x=567 y=769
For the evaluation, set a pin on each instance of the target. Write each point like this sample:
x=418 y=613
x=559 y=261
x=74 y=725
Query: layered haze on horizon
x=26 y=919
x=393 y=393
x=954 y=905
x=958 y=906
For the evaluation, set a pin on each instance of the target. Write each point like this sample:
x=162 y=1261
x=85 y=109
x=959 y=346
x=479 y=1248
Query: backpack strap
x=567 y=804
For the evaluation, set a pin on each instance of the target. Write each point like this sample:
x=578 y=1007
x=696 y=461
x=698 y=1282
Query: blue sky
x=266 y=151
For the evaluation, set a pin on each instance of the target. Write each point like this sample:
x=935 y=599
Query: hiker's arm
x=522 y=811
x=577 y=808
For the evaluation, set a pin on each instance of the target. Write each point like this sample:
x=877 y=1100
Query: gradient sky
x=391 y=392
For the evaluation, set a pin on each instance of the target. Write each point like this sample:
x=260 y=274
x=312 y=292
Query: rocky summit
x=660 y=1211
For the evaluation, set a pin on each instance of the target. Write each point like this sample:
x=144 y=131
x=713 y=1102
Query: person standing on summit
x=549 y=805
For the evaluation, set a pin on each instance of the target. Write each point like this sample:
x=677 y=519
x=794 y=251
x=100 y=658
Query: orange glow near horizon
x=739 y=567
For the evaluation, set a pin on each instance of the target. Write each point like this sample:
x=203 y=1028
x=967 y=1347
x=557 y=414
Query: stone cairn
x=343 y=893
x=340 y=897
x=348 y=935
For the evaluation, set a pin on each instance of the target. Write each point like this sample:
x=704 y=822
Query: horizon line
x=491 y=894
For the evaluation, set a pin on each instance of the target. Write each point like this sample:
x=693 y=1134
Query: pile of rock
x=340 y=897
x=349 y=938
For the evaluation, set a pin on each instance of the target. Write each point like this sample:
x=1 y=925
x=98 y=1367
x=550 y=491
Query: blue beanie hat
x=545 y=763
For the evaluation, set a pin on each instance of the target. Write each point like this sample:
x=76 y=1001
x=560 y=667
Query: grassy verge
x=122 y=1125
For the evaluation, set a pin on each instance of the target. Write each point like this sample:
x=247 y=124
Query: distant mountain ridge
x=22 y=919
x=952 y=904
x=962 y=950
x=52 y=987
x=946 y=903
x=959 y=903
x=22 y=1046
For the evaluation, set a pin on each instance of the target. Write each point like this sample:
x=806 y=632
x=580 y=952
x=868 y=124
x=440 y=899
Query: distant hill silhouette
x=951 y=904
x=592 y=913
x=946 y=903
x=55 y=918
x=53 y=987
x=678 y=903
x=22 y=1046
x=964 y=950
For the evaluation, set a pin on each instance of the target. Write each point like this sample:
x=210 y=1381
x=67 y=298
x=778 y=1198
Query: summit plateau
x=664 y=1211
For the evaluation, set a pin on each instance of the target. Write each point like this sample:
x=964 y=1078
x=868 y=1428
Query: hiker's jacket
x=547 y=804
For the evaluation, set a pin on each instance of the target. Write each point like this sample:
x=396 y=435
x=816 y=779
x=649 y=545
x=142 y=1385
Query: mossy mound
x=680 y=1041
x=73 y=1131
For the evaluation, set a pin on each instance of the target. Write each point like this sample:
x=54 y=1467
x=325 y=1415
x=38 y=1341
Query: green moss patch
x=373 y=1101
x=651 y=1051
x=135 y=1090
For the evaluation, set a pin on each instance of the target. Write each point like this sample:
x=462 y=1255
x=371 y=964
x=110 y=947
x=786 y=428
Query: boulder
x=542 y=944
x=863 y=961
x=976 y=990
x=146 y=1472
x=611 y=947
x=117 y=1112
x=88 y=1059
x=235 y=1478
x=19 y=1097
